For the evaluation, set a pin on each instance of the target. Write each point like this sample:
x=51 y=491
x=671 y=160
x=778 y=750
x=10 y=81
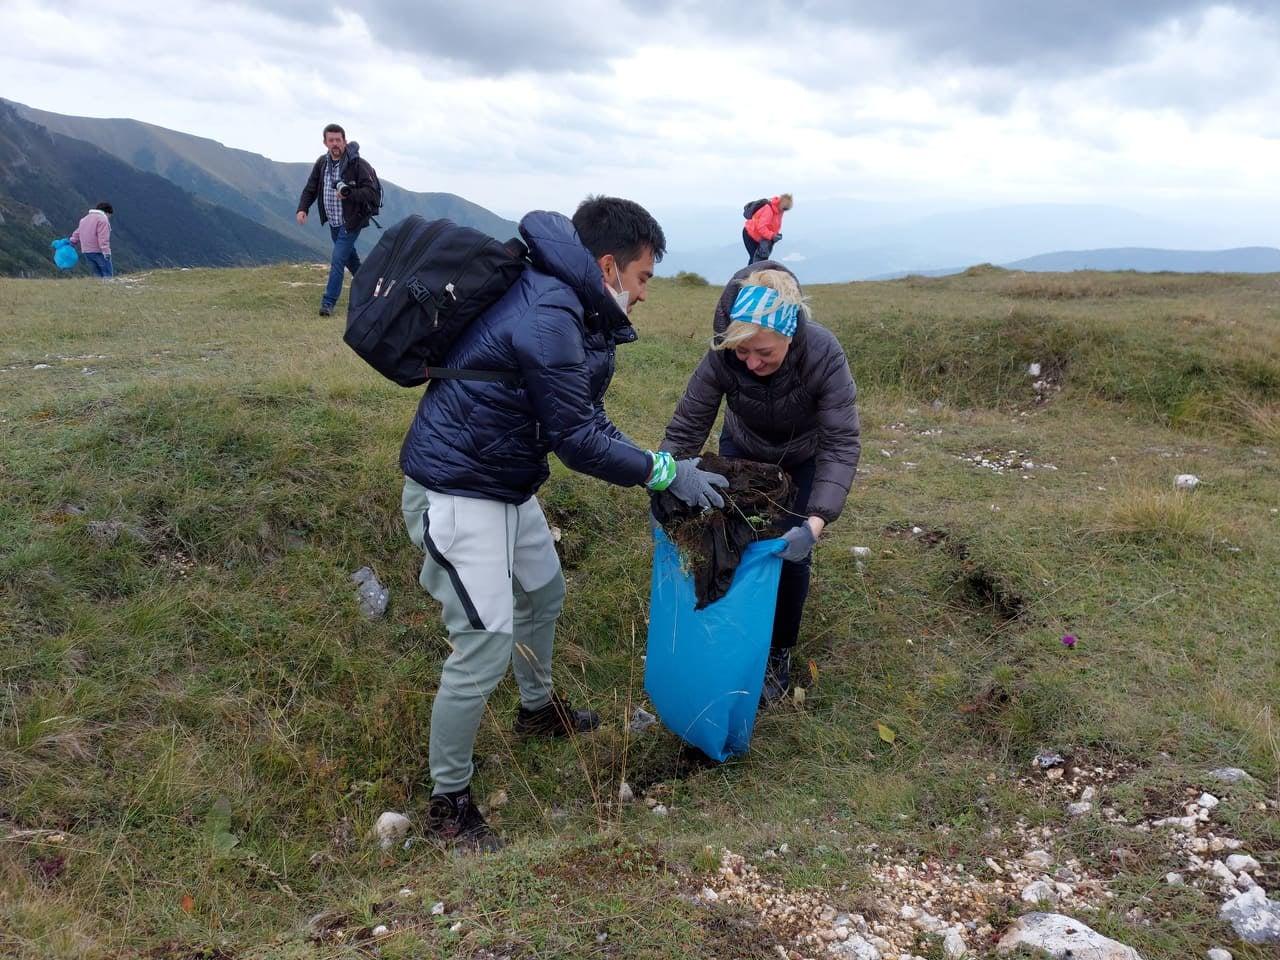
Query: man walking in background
x=94 y=237
x=764 y=227
x=345 y=188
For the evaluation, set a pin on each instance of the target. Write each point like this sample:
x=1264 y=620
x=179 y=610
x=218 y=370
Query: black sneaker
x=453 y=819
x=777 y=677
x=556 y=719
x=326 y=311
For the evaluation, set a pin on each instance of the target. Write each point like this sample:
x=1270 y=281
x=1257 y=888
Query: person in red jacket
x=764 y=228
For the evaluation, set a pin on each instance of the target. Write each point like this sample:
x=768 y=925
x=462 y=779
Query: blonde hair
x=788 y=290
x=785 y=201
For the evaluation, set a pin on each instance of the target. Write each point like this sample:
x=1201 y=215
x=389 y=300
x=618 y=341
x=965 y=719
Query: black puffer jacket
x=806 y=408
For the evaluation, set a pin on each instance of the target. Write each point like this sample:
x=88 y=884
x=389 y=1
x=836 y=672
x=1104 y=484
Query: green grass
x=201 y=712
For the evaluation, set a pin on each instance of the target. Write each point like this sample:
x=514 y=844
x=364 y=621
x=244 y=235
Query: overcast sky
x=1150 y=103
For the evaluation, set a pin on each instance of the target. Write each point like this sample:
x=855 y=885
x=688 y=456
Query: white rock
x=1186 y=481
x=1182 y=823
x=391 y=826
x=625 y=793
x=917 y=530
x=855 y=948
x=380 y=930
x=1207 y=801
x=908 y=912
x=862 y=553
x=1254 y=918
x=642 y=720
x=1230 y=775
x=1033 y=370
x=1239 y=862
x=1038 y=891
x=1040 y=859
x=1079 y=809
x=660 y=810
x=456 y=928
x=1244 y=881
x=1062 y=937
x=41 y=366
x=1217 y=953
x=709 y=895
x=1174 y=879
x=437 y=908
x=953 y=945
x=1223 y=873
x=1088 y=794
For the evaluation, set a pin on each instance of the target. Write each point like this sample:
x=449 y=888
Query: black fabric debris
x=712 y=542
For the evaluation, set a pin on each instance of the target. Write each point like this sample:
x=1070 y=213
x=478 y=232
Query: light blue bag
x=705 y=668
x=64 y=254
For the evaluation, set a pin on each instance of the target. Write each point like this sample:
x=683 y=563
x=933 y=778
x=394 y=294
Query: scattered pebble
x=1217 y=953
x=380 y=930
x=642 y=720
x=437 y=908
x=1186 y=481
x=862 y=553
x=1239 y=862
x=390 y=827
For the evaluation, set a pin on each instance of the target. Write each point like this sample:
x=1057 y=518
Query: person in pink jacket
x=764 y=228
x=94 y=238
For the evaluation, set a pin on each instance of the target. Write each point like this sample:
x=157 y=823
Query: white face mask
x=620 y=296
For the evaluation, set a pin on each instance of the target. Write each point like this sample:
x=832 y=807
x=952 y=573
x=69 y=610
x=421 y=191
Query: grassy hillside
x=252 y=185
x=198 y=729
x=48 y=181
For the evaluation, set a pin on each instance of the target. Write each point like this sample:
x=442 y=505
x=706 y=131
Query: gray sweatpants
x=494 y=569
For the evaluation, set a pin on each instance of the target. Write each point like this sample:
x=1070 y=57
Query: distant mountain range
x=1140 y=259
x=832 y=241
x=190 y=201
x=48 y=181
x=81 y=160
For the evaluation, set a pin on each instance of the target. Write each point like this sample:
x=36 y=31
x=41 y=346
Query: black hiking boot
x=777 y=677
x=453 y=819
x=556 y=719
x=326 y=311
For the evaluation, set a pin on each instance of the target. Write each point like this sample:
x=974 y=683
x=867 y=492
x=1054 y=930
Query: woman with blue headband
x=790 y=401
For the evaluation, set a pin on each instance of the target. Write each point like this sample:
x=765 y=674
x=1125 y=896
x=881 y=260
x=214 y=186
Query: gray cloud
x=494 y=38
x=571 y=36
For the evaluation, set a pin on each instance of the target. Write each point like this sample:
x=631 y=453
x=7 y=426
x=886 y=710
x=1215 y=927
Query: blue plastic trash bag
x=64 y=254
x=705 y=668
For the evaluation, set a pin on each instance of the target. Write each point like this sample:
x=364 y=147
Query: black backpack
x=417 y=290
x=352 y=158
x=752 y=206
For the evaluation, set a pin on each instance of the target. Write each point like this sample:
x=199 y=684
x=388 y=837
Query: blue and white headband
x=765 y=307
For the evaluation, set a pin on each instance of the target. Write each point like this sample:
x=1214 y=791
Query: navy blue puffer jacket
x=557 y=329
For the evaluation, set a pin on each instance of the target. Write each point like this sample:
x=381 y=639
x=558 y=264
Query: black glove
x=777 y=238
x=697 y=487
x=800 y=541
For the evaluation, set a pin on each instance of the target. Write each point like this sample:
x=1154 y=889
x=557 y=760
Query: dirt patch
x=983 y=589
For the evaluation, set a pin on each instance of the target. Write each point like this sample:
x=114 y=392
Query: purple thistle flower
x=1069 y=640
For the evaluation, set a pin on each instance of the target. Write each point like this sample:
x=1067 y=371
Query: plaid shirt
x=328 y=193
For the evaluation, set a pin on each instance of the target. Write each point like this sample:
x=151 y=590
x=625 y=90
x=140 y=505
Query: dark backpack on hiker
x=417 y=290
x=369 y=210
x=750 y=209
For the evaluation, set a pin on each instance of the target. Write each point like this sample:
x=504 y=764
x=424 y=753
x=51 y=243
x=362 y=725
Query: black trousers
x=793 y=585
